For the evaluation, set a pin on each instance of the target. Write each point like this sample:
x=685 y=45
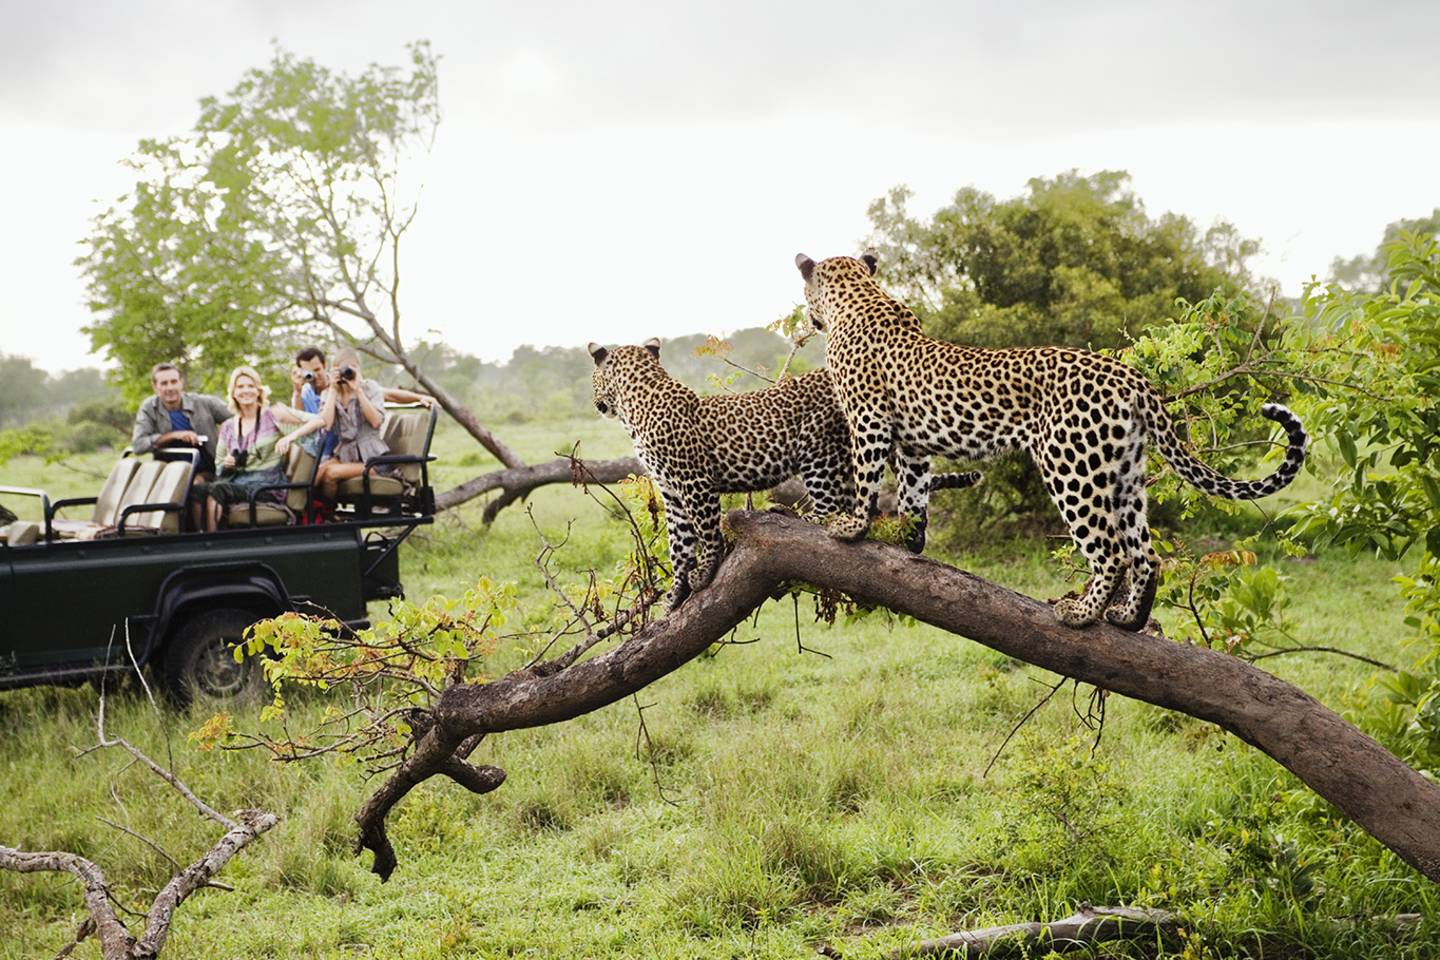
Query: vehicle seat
x=171 y=486
x=406 y=433
x=300 y=467
x=107 y=504
x=21 y=533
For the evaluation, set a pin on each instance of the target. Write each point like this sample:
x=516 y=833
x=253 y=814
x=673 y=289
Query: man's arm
x=401 y=395
x=142 y=438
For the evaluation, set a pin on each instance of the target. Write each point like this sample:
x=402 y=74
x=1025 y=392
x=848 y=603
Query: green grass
x=837 y=799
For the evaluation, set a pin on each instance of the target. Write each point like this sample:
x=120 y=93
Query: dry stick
x=1392 y=802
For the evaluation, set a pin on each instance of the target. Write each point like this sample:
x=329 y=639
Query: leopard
x=697 y=447
x=1084 y=418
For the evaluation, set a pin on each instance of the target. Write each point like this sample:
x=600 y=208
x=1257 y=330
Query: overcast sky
x=615 y=171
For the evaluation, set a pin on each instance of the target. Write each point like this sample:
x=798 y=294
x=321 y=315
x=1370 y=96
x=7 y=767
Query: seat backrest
x=107 y=504
x=170 y=487
x=405 y=434
x=138 y=489
x=299 y=468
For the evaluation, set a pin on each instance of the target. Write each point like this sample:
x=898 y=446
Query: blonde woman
x=251 y=450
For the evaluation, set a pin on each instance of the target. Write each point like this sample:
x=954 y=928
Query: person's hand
x=229 y=463
x=188 y=436
x=282 y=446
x=297 y=377
x=425 y=400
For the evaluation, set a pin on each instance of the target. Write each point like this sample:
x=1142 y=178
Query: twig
x=1280 y=651
x=1023 y=720
x=644 y=731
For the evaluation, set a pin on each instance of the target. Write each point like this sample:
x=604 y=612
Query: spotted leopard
x=696 y=448
x=1084 y=418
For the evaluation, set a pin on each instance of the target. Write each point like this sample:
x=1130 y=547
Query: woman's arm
x=309 y=423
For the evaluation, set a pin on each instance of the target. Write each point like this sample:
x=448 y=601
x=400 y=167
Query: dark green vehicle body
x=72 y=609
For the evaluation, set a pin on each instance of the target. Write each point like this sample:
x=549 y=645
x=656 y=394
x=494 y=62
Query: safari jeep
x=127 y=587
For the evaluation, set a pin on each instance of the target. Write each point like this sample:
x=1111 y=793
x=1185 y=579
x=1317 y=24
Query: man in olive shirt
x=174 y=418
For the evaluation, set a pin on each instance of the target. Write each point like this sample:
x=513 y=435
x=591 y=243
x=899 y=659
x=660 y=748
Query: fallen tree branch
x=516 y=483
x=1086 y=926
x=1392 y=802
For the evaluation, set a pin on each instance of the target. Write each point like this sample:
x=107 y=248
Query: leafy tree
x=1074 y=261
x=22 y=389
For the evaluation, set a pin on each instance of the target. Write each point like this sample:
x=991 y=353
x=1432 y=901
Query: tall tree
x=280 y=217
x=1075 y=260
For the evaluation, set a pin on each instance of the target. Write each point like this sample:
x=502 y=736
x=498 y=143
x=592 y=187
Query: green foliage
x=1076 y=261
x=263 y=225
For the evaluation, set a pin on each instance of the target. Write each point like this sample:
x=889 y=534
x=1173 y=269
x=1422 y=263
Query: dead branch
x=1086 y=926
x=1381 y=794
x=116 y=941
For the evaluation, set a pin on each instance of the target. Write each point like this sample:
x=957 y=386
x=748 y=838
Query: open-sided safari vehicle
x=127 y=586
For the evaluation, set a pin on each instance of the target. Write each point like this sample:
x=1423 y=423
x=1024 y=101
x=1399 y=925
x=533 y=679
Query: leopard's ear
x=653 y=345
x=806 y=265
x=871 y=260
x=598 y=352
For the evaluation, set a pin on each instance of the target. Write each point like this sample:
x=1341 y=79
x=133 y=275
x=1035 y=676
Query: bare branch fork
x=116 y=941
x=1392 y=802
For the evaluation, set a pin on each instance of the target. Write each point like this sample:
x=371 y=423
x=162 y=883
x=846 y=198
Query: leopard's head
x=826 y=281
x=611 y=369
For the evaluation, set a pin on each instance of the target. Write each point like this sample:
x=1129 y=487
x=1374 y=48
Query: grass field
x=795 y=798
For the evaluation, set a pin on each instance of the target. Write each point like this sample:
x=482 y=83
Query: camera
x=347 y=374
x=308 y=376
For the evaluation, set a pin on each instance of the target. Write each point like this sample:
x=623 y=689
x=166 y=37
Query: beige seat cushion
x=266 y=515
x=107 y=504
x=405 y=435
x=379 y=486
x=20 y=533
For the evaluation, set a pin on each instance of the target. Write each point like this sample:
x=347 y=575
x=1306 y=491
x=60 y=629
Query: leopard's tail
x=1162 y=433
x=954 y=481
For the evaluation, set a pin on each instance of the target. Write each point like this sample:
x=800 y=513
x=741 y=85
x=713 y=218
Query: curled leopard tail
x=1162 y=432
x=955 y=481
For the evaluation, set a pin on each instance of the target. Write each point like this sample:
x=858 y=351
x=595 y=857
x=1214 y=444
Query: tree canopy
x=279 y=217
x=1075 y=260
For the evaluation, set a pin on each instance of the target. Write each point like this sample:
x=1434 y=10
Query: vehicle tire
x=199 y=662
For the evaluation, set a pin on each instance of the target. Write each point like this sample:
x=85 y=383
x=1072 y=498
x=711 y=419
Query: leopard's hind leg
x=1081 y=482
x=912 y=481
x=1130 y=607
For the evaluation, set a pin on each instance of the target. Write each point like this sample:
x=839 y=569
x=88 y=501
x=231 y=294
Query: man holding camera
x=310 y=379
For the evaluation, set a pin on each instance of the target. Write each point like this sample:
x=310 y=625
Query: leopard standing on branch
x=696 y=448
x=1083 y=417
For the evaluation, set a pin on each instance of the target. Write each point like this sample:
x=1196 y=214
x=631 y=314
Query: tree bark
x=518 y=482
x=1389 y=800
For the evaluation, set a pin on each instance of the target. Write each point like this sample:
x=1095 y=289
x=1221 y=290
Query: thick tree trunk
x=1392 y=802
